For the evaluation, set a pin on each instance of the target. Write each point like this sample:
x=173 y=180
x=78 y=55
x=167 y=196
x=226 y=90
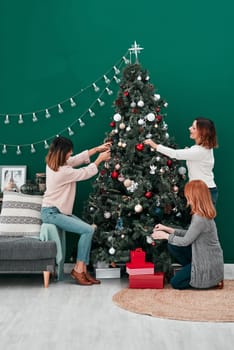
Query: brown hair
x=199 y=198
x=207 y=133
x=58 y=151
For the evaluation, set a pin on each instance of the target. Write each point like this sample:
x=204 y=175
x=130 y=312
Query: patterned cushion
x=20 y=215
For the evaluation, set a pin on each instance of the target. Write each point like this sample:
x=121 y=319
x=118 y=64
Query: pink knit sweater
x=61 y=184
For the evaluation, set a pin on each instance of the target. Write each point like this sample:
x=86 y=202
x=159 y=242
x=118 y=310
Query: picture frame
x=12 y=177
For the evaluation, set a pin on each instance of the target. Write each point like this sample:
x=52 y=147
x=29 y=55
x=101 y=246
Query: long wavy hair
x=58 y=151
x=198 y=197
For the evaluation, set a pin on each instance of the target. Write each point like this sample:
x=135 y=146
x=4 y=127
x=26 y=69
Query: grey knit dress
x=207 y=255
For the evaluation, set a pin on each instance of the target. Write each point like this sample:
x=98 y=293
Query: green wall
x=50 y=50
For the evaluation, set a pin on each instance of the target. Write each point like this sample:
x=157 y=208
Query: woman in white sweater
x=199 y=158
x=62 y=176
x=198 y=248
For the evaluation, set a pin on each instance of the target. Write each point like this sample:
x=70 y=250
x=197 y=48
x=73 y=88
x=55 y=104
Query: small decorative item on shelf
x=29 y=188
x=41 y=182
x=11 y=186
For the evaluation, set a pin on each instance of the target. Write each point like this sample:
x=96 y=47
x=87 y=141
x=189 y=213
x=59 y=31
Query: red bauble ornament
x=159 y=118
x=115 y=174
x=126 y=93
x=148 y=194
x=140 y=147
x=169 y=162
x=119 y=102
x=103 y=172
x=158 y=109
x=112 y=124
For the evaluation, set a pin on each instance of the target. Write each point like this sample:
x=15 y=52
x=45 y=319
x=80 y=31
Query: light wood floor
x=68 y=316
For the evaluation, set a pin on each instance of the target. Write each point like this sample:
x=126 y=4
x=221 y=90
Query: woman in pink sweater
x=58 y=200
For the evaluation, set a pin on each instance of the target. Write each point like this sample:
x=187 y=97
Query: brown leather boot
x=80 y=278
x=220 y=285
x=91 y=278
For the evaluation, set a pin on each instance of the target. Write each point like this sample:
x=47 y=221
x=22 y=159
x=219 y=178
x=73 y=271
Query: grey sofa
x=27 y=255
x=22 y=250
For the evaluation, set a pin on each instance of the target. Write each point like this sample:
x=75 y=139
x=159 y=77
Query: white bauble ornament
x=107 y=215
x=158 y=159
x=117 y=166
x=175 y=189
x=141 y=122
x=120 y=144
x=140 y=103
x=128 y=128
x=139 y=78
x=133 y=104
x=122 y=126
x=157 y=97
x=182 y=170
x=149 y=135
x=127 y=183
x=112 y=251
x=138 y=208
x=167 y=135
x=147 y=78
x=124 y=144
x=117 y=117
x=150 y=117
x=165 y=105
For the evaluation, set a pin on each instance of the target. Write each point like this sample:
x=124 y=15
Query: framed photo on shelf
x=12 y=177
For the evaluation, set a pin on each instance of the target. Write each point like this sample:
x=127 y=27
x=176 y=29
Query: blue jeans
x=182 y=277
x=214 y=194
x=71 y=223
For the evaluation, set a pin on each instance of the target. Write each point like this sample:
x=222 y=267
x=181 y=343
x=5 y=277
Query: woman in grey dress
x=197 y=249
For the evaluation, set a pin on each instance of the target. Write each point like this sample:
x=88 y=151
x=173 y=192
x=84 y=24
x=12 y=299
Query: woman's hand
x=160 y=227
x=103 y=157
x=151 y=143
x=104 y=147
x=159 y=235
x=167 y=229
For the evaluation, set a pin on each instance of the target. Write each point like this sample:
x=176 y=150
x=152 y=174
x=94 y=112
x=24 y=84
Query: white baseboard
x=228 y=270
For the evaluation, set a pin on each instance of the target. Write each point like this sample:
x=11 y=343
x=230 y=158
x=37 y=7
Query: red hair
x=198 y=197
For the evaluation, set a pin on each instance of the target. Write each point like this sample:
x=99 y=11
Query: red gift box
x=155 y=281
x=142 y=269
x=137 y=256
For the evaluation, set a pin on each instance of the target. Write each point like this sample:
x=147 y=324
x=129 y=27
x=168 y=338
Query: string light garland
x=73 y=100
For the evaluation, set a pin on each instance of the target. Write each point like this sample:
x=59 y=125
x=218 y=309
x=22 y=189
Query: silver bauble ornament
x=182 y=170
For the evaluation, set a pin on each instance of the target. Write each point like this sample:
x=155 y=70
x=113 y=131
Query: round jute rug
x=211 y=305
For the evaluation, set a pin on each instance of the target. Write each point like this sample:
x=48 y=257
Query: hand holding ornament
x=150 y=143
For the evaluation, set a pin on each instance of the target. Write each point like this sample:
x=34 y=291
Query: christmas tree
x=138 y=187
